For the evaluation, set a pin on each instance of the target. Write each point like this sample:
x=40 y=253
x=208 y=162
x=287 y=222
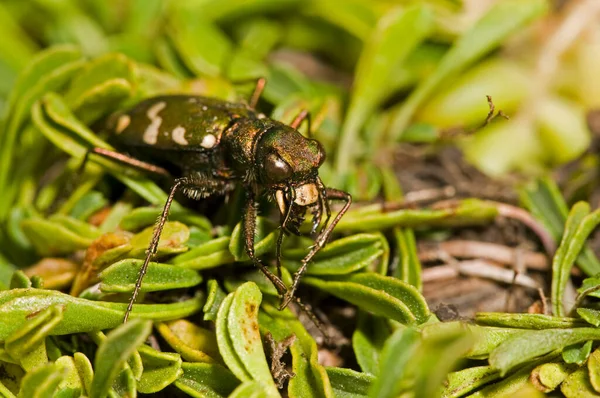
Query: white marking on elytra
x=178 y=135
x=208 y=141
x=151 y=133
x=122 y=123
x=261 y=116
x=204 y=108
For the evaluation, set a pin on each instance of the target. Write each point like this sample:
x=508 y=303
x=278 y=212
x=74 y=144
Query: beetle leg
x=249 y=229
x=154 y=243
x=260 y=86
x=333 y=194
x=302 y=116
x=128 y=160
x=325 y=203
x=283 y=230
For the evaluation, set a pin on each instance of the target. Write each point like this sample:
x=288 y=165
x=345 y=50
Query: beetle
x=208 y=146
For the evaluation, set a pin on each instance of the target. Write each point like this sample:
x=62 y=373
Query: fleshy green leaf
x=122 y=276
x=348 y=383
x=398 y=351
x=339 y=257
x=531 y=344
x=81 y=315
x=160 y=369
x=381 y=295
x=42 y=382
x=114 y=352
x=206 y=380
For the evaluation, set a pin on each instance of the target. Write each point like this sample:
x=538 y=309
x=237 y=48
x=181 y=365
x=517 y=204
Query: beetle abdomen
x=177 y=122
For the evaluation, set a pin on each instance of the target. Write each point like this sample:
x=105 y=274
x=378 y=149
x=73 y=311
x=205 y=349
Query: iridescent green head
x=288 y=163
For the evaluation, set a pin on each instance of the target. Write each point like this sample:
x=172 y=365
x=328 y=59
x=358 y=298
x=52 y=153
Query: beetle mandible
x=208 y=145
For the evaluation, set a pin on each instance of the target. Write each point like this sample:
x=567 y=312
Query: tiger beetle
x=209 y=145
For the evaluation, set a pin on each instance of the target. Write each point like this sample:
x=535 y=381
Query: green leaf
x=81 y=315
x=173 y=240
x=242 y=327
x=77 y=226
x=526 y=321
x=368 y=340
x=51 y=238
x=396 y=35
x=141 y=217
x=90 y=203
x=206 y=380
x=546 y=204
x=348 y=383
x=33 y=333
x=195 y=344
x=436 y=357
x=255 y=275
x=85 y=370
x=202 y=46
x=122 y=276
x=550 y=375
x=339 y=257
x=589 y=315
x=464 y=212
x=264 y=242
x=485 y=339
x=467 y=380
x=19 y=280
x=398 y=351
x=594 y=369
x=580 y=224
x=487 y=33
x=408 y=268
x=211 y=254
x=114 y=352
x=42 y=382
x=160 y=369
x=577 y=353
x=214 y=299
x=531 y=344
x=54 y=119
x=381 y=295
x=251 y=389
x=578 y=385
x=72 y=383
x=48 y=71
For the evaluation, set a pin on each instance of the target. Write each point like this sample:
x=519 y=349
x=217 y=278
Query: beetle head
x=288 y=164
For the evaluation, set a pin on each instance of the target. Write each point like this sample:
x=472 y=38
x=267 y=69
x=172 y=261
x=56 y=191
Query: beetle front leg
x=249 y=229
x=332 y=194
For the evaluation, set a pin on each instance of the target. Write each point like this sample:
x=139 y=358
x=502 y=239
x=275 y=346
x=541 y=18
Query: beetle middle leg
x=249 y=228
x=195 y=186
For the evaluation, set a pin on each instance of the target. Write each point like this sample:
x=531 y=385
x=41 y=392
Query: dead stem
x=479 y=268
x=278 y=367
x=483 y=250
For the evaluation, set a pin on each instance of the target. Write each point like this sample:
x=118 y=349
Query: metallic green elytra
x=208 y=146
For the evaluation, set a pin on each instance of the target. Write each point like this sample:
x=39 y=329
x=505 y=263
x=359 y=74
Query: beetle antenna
x=302 y=116
x=260 y=87
x=153 y=244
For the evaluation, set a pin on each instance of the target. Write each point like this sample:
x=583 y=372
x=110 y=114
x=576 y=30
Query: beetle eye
x=276 y=168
